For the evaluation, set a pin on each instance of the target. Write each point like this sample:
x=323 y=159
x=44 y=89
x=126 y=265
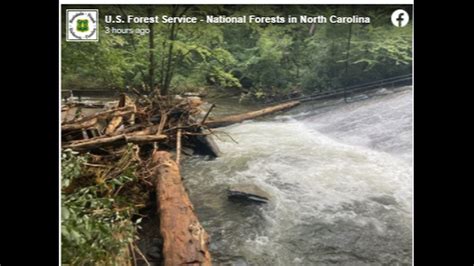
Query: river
x=340 y=179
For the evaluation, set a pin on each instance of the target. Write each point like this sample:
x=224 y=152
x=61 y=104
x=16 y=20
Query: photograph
x=236 y=134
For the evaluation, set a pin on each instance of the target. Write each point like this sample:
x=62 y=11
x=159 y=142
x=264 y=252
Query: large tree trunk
x=185 y=240
x=232 y=119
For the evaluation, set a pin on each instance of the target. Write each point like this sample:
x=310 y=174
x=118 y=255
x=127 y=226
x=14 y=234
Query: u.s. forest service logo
x=82 y=25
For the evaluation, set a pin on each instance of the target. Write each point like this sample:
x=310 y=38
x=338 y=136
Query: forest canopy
x=256 y=59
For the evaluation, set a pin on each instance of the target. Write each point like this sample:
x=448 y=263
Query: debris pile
x=153 y=132
x=162 y=122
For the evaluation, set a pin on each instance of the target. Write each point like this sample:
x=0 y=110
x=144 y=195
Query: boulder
x=384 y=200
x=248 y=193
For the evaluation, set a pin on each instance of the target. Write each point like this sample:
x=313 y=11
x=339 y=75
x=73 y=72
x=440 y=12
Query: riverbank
x=147 y=138
x=338 y=167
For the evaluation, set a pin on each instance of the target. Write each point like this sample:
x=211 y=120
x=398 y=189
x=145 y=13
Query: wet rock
x=205 y=145
x=359 y=97
x=385 y=200
x=248 y=193
x=187 y=151
x=154 y=253
x=383 y=91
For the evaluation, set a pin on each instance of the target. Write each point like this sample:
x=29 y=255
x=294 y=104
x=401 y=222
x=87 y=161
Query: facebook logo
x=400 y=18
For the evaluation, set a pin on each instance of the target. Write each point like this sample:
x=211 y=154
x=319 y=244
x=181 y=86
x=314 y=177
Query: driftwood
x=143 y=132
x=81 y=104
x=178 y=146
x=113 y=125
x=107 y=141
x=109 y=113
x=233 y=119
x=207 y=114
x=163 y=118
x=80 y=125
x=171 y=123
x=146 y=131
x=185 y=242
x=116 y=120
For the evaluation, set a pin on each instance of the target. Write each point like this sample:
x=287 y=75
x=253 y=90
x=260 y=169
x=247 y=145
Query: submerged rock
x=205 y=145
x=359 y=97
x=383 y=91
x=187 y=151
x=384 y=200
x=248 y=193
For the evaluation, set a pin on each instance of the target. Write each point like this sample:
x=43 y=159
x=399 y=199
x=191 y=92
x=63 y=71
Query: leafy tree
x=261 y=60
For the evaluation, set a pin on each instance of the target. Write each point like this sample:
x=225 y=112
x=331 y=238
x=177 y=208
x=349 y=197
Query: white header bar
x=246 y=2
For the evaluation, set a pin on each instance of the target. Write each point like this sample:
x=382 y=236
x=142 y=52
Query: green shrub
x=96 y=225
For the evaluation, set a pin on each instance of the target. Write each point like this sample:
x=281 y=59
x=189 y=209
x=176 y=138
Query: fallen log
x=81 y=125
x=146 y=131
x=113 y=112
x=107 y=141
x=144 y=139
x=151 y=130
x=113 y=125
x=184 y=239
x=127 y=101
x=81 y=104
x=233 y=119
x=116 y=120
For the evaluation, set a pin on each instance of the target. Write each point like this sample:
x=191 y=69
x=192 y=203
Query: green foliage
x=71 y=166
x=94 y=65
x=96 y=225
x=258 y=59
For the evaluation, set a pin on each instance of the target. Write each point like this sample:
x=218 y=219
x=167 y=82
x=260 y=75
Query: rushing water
x=340 y=178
